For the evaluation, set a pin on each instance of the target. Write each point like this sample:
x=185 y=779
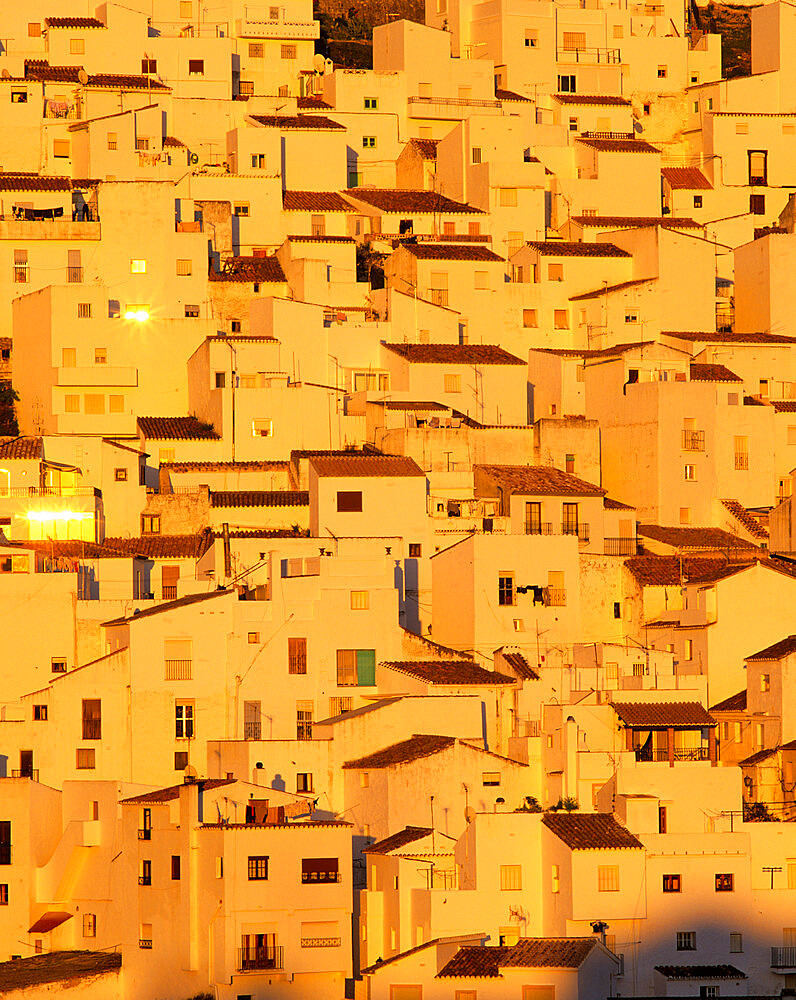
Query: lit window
x=138 y=266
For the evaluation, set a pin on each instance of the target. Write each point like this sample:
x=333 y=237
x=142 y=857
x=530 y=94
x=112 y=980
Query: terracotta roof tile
x=744 y=518
x=694 y=538
x=73 y=22
x=176 y=429
x=546 y=953
x=729 y=338
x=21 y=447
x=568 y=248
x=670 y=571
x=758 y=757
x=474 y=962
x=539 y=480
x=590 y=831
x=427 y=148
x=597 y=292
x=224 y=466
x=458 y=251
x=411 y=404
x=678 y=714
x=712 y=373
x=249 y=269
x=619 y=145
x=686 y=178
x=342 y=466
x=125 y=81
x=401 y=955
x=510 y=95
x=452 y=672
x=784 y=405
x=312 y=103
x=633 y=221
x=520 y=665
x=314 y=201
x=57 y=966
x=700 y=972
x=32 y=182
x=172 y=142
x=610 y=504
x=172 y=792
x=735 y=703
x=396 y=200
x=260 y=498
x=403 y=753
x=454 y=354
x=298 y=121
x=147 y=546
x=409 y=835
x=784 y=647
x=598 y=100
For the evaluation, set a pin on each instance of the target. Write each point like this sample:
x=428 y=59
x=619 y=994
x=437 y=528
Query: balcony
x=589 y=57
x=321 y=942
x=437 y=296
x=256 y=959
x=693 y=440
x=74 y=275
x=556 y=597
x=178 y=670
x=580 y=529
x=607 y=135
x=253 y=27
x=252 y=730
x=49 y=491
x=679 y=754
x=742 y=460
x=783 y=958
x=145 y=942
x=620 y=546
x=65 y=111
x=16 y=228
x=538 y=528
x=169 y=593
x=26 y=772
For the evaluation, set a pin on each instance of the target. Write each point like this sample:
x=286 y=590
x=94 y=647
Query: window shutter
x=366 y=667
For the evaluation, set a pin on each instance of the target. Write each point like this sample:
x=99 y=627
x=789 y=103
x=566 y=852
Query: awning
x=49 y=921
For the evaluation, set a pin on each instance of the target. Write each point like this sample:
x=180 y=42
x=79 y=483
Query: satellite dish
x=83 y=77
x=193 y=159
x=469 y=814
x=319 y=63
x=5 y=74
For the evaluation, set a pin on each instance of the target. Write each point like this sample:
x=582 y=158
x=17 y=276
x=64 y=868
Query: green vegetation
x=8 y=413
x=734 y=26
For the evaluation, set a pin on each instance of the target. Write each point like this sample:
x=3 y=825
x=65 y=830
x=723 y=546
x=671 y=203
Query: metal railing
x=693 y=440
x=556 y=597
x=74 y=275
x=456 y=102
x=250 y=959
x=588 y=56
x=145 y=942
x=783 y=958
x=178 y=670
x=741 y=460
x=437 y=296
x=47 y=491
x=538 y=528
x=607 y=135
x=252 y=730
x=321 y=942
x=620 y=546
x=26 y=772
x=679 y=754
x=169 y=592
x=580 y=529
x=62 y=110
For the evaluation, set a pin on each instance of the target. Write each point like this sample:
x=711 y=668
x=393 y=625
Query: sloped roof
x=33 y=182
x=572 y=248
x=41 y=71
x=172 y=792
x=475 y=962
x=619 y=145
x=598 y=100
x=264 y=466
x=784 y=405
x=427 y=148
x=260 y=498
x=712 y=337
x=21 y=447
x=758 y=757
x=452 y=672
x=403 y=752
x=521 y=666
x=590 y=831
x=147 y=546
x=457 y=251
x=341 y=466
x=297 y=121
x=396 y=200
x=670 y=571
x=540 y=480
x=166 y=606
x=633 y=221
x=712 y=373
x=735 y=703
x=686 y=178
x=652 y=714
x=700 y=972
x=694 y=538
x=784 y=647
x=73 y=22
x=314 y=201
x=510 y=95
x=49 y=921
x=312 y=102
x=550 y=952
x=260 y=269
x=56 y=966
x=743 y=517
x=409 y=835
x=611 y=504
x=454 y=354
x=620 y=286
x=176 y=429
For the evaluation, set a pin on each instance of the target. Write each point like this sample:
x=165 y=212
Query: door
x=569 y=519
x=170 y=576
x=533 y=518
x=251 y=720
x=26 y=763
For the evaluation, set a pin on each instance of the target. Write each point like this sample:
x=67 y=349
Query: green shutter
x=366 y=667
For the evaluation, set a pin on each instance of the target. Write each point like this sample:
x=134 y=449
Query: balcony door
x=569 y=518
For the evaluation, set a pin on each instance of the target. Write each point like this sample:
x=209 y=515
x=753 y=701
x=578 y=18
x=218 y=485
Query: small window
x=566 y=84
x=671 y=883
x=736 y=943
x=531 y=38
x=725 y=882
x=452 y=383
x=371 y=103
x=186 y=8
x=175 y=867
x=510 y=877
x=765 y=682
x=120 y=475
x=573 y=124
x=150 y=524
x=39 y=713
x=506 y=596
x=561 y=319
x=415 y=550
x=529 y=318
x=34 y=29
x=85 y=760
x=256 y=50
x=662 y=72
x=360 y=600
x=241 y=209
x=297 y=655
x=320 y=870
x=192 y=312
x=368 y=141
x=184 y=267
x=196 y=67
x=262 y=427
x=183 y=720
x=507 y=197
x=138 y=267
x=304 y=781
x=61 y=149
x=608 y=878
x=4 y=894
x=221 y=380
x=19 y=97
x=688 y=649
x=100 y=355
x=697 y=201
x=647 y=109
x=148 y=67
x=555 y=879
x=259 y=161
x=77 y=46
x=349 y=501
x=253 y=638
x=686 y=940
x=89 y=925
x=180 y=760
x=481 y=280
x=58 y=665
x=757 y=204
x=288 y=51
x=257 y=868
x=490 y=779
x=476 y=154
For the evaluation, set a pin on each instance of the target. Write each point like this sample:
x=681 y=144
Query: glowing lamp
x=141 y=315
x=58 y=515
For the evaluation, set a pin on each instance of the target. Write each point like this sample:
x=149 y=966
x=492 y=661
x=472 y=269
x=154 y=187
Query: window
x=573 y=124
x=257 y=868
x=481 y=279
x=256 y=50
x=356 y=667
x=647 y=109
x=490 y=779
x=100 y=355
x=4 y=894
x=180 y=760
x=360 y=600
x=689 y=473
x=138 y=266
x=736 y=943
x=58 y=665
x=288 y=52
x=662 y=72
x=566 y=84
x=506 y=589
x=150 y=524
x=415 y=550
x=757 y=204
x=574 y=41
x=39 y=713
x=184 y=268
x=671 y=883
x=538 y=993
x=561 y=319
x=304 y=710
x=148 y=66
x=349 y=501
x=304 y=781
x=186 y=8
x=608 y=878
x=697 y=201
x=183 y=720
x=77 y=46
x=34 y=29
x=89 y=925
x=85 y=760
x=569 y=464
x=196 y=67
x=145 y=873
x=175 y=867
x=19 y=97
x=296 y=655
x=529 y=318
x=241 y=211
x=145 y=941
x=758 y=167
x=686 y=940
x=688 y=649
x=368 y=141
x=555 y=272
x=371 y=103
x=452 y=383
x=510 y=877
x=320 y=870
x=709 y=991
x=531 y=38
x=61 y=149
x=765 y=682
x=724 y=882
x=619 y=31
x=92 y=719
x=507 y=197
x=21 y=267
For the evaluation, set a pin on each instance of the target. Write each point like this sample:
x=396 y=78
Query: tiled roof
x=427 y=148
x=597 y=292
x=620 y=145
x=41 y=70
x=549 y=953
x=735 y=703
x=260 y=498
x=176 y=429
x=401 y=955
x=249 y=269
x=321 y=239
x=409 y=835
x=172 y=792
x=404 y=752
x=312 y=103
x=73 y=22
x=453 y=672
x=677 y=714
x=56 y=966
x=568 y=248
x=21 y=447
x=784 y=647
x=743 y=517
x=540 y=480
x=147 y=546
x=342 y=466
x=411 y=404
x=590 y=831
x=729 y=338
x=314 y=201
x=447 y=251
x=474 y=962
x=33 y=182
x=297 y=121
x=224 y=466
x=172 y=142
x=166 y=606
x=700 y=972
x=672 y=571
x=632 y=221
x=49 y=920
x=396 y=200
x=599 y=100
x=454 y=354
x=712 y=373
x=784 y=405
x=521 y=666
x=610 y=504
x=758 y=757
x=510 y=95
x=686 y=178
x=694 y=538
